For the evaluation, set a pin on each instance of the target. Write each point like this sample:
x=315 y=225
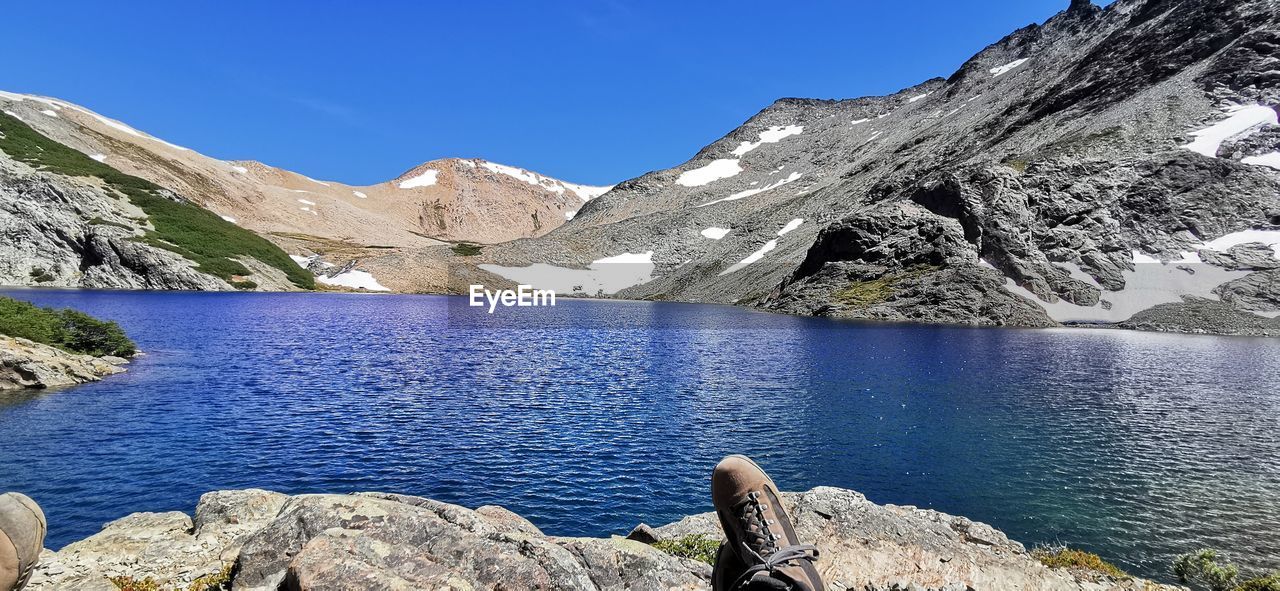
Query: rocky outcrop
x=71 y=232
x=267 y=541
x=28 y=364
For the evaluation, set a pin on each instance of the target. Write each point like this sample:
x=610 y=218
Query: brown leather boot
x=768 y=553
x=22 y=529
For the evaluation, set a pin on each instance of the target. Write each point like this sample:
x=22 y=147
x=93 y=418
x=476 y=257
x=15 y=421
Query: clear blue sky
x=591 y=91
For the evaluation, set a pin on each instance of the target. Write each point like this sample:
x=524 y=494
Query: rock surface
x=28 y=364
x=388 y=541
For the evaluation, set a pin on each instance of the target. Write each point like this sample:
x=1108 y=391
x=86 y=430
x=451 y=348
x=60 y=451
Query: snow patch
x=426 y=179
x=228 y=218
x=791 y=225
x=603 y=276
x=305 y=202
x=750 y=192
x=584 y=192
x=859 y=121
x=753 y=257
x=359 y=194
x=918 y=97
x=1146 y=286
x=587 y=192
x=1005 y=69
x=568 y=215
x=1271 y=160
x=1141 y=258
x=716 y=170
x=315 y=181
x=25 y=97
x=354 y=280
x=772 y=135
x=1243 y=118
x=715 y=233
x=768 y=246
x=1268 y=237
x=240 y=169
x=12 y=114
x=49 y=113
x=99 y=157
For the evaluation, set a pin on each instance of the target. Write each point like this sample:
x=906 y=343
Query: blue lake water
x=605 y=414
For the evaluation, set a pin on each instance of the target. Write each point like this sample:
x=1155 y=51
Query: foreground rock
x=387 y=541
x=28 y=364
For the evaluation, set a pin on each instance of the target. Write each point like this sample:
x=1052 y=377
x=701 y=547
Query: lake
x=593 y=416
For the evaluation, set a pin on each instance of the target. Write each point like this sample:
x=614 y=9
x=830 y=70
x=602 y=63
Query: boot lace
x=760 y=544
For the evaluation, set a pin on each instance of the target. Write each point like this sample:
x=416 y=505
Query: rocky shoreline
x=28 y=364
x=262 y=540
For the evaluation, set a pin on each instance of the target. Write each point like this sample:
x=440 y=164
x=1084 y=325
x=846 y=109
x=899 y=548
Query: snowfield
x=584 y=192
x=716 y=170
x=772 y=135
x=1271 y=160
x=603 y=276
x=715 y=233
x=1005 y=69
x=425 y=179
x=1242 y=118
x=768 y=247
x=795 y=176
x=354 y=280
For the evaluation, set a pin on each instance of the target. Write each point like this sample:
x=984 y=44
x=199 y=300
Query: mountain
x=450 y=199
x=1107 y=165
x=330 y=225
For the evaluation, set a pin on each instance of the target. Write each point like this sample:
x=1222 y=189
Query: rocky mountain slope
x=265 y=540
x=1106 y=163
x=443 y=200
x=70 y=221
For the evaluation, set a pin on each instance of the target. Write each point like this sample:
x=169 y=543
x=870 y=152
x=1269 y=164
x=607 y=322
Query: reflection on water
x=594 y=416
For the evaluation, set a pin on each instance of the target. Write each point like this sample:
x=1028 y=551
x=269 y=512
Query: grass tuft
x=695 y=546
x=864 y=294
x=466 y=249
x=219 y=581
x=1063 y=557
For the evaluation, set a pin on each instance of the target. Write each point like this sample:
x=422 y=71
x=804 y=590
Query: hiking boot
x=22 y=529
x=767 y=554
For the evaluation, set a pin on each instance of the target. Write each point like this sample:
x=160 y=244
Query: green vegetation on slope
x=1201 y=570
x=466 y=249
x=864 y=294
x=1063 y=557
x=66 y=329
x=193 y=232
